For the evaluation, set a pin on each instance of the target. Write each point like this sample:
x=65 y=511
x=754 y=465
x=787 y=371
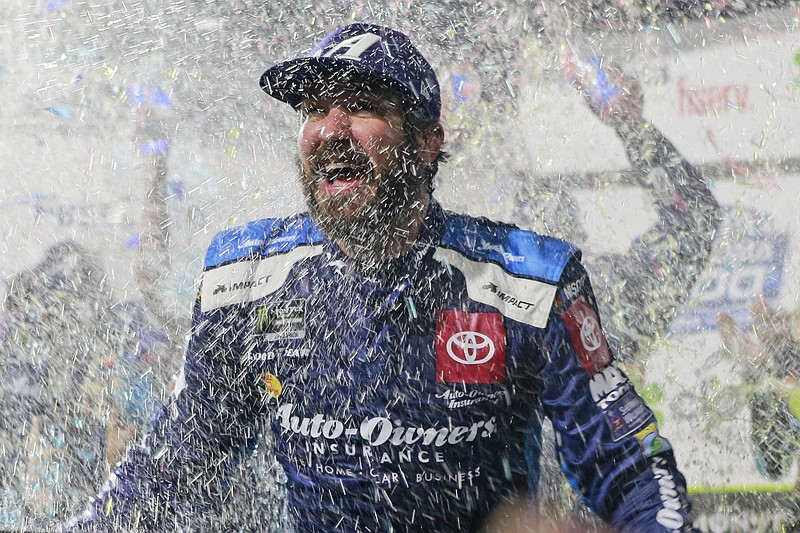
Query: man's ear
x=430 y=143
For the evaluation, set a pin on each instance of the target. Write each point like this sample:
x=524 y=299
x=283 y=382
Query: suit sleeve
x=649 y=283
x=197 y=434
x=607 y=438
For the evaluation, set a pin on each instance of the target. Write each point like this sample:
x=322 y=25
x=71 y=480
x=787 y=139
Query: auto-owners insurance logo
x=470 y=347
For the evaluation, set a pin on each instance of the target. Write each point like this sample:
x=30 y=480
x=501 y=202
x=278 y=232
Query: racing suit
x=406 y=398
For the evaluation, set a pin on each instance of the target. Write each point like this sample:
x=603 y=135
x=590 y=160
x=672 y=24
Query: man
x=644 y=287
x=403 y=356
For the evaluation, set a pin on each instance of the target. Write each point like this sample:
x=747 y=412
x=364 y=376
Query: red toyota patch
x=587 y=337
x=470 y=347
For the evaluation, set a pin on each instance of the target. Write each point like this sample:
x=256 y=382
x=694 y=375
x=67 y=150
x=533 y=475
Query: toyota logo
x=470 y=348
x=590 y=334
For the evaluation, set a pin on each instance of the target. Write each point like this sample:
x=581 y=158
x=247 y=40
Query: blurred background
x=132 y=131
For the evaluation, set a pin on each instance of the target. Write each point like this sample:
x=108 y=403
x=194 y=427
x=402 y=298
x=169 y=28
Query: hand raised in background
x=615 y=97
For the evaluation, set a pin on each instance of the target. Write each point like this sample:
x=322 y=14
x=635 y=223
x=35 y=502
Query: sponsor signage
x=380 y=430
x=748 y=264
x=717 y=104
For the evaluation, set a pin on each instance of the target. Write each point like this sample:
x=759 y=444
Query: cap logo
x=359 y=52
x=425 y=90
x=354 y=47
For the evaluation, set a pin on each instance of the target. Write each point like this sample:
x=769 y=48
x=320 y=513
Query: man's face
x=359 y=169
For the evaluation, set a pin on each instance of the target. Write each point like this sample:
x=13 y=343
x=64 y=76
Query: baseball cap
x=373 y=51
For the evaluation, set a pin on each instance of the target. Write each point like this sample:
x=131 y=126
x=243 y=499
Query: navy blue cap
x=377 y=52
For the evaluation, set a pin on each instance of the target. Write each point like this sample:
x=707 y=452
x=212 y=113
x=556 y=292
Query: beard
x=373 y=214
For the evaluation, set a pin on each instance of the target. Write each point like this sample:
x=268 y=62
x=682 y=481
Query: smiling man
x=365 y=166
x=403 y=357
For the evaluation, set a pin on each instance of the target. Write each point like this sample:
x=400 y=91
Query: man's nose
x=337 y=124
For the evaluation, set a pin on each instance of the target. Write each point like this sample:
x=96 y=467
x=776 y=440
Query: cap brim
x=294 y=80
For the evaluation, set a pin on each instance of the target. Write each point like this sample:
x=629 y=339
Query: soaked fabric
x=398 y=401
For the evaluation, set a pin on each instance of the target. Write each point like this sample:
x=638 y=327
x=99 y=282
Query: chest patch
x=281 y=320
x=470 y=347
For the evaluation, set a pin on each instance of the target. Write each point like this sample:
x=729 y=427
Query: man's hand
x=615 y=97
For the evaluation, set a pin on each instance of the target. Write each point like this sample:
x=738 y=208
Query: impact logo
x=747 y=264
x=507 y=298
x=240 y=285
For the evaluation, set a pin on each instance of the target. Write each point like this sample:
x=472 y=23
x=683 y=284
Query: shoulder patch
x=519 y=252
x=246 y=281
x=252 y=261
x=261 y=237
x=525 y=300
x=514 y=270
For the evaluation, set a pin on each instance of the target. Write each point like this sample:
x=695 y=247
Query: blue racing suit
x=403 y=398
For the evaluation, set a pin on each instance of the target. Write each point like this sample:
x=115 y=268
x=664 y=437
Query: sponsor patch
x=652 y=443
x=272 y=385
x=507 y=298
x=627 y=416
x=457 y=398
x=381 y=430
x=251 y=280
x=574 y=289
x=282 y=320
x=587 y=337
x=525 y=300
x=608 y=385
x=470 y=347
x=671 y=514
x=270 y=355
